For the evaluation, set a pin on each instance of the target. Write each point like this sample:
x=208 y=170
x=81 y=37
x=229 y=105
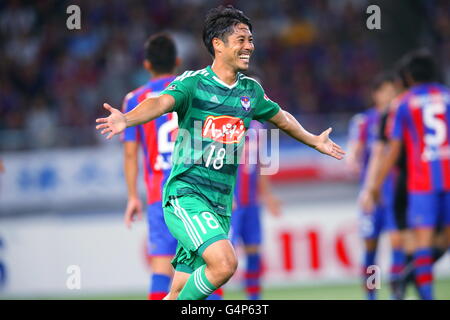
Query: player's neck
x=224 y=72
x=156 y=76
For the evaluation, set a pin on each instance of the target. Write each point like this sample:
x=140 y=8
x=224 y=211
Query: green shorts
x=195 y=225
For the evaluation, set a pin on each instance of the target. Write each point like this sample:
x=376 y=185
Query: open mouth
x=244 y=57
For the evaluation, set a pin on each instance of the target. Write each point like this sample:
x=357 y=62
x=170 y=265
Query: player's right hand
x=133 y=211
x=114 y=124
x=366 y=201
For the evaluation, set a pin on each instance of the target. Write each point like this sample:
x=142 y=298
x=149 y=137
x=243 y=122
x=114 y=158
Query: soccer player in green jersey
x=215 y=106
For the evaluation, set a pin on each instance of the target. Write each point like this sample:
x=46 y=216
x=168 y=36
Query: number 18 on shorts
x=194 y=224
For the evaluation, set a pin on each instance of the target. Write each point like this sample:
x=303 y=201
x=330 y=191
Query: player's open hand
x=133 y=211
x=326 y=146
x=114 y=124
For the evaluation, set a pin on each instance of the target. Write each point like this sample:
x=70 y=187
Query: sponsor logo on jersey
x=172 y=87
x=224 y=129
x=245 y=102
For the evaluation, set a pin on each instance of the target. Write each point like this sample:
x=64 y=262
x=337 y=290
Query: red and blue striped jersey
x=246 y=190
x=156 y=137
x=421 y=122
x=364 y=129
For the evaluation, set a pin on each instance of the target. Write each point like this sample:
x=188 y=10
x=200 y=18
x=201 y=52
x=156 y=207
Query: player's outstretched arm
x=377 y=156
x=145 y=111
x=322 y=143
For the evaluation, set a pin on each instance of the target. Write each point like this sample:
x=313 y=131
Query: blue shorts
x=381 y=219
x=246 y=225
x=428 y=209
x=160 y=241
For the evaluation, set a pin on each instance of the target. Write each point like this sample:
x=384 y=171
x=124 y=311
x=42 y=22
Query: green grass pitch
x=307 y=292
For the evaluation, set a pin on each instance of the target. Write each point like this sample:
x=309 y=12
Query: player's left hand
x=326 y=146
x=112 y=125
x=133 y=211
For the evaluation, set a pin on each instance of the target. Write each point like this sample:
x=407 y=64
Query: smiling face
x=237 y=49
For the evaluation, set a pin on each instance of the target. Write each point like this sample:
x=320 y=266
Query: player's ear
x=147 y=65
x=217 y=45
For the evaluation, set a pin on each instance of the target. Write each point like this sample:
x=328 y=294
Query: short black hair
x=219 y=23
x=420 y=65
x=382 y=78
x=161 y=52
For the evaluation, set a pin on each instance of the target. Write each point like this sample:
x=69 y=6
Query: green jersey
x=212 y=121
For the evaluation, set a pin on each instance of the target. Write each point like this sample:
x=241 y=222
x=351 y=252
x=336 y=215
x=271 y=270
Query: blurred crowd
x=314 y=57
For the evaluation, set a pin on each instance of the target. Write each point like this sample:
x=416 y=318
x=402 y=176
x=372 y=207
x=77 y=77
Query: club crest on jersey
x=224 y=129
x=245 y=102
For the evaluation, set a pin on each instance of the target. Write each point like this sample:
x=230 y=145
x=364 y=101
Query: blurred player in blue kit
x=252 y=190
x=156 y=141
x=420 y=124
x=363 y=138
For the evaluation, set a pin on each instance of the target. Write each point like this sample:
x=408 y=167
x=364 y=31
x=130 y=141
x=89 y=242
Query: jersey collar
x=217 y=79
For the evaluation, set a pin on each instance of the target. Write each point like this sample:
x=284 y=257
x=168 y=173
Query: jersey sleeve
x=181 y=89
x=358 y=128
x=130 y=134
x=398 y=124
x=265 y=108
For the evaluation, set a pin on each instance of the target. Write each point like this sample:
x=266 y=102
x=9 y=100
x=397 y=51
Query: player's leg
x=161 y=277
x=395 y=223
x=251 y=237
x=400 y=204
x=446 y=220
x=398 y=256
x=203 y=246
x=236 y=232
x=440 y=241
x=179 y=280
x=220 y=264
x=370 y=249
x=370 y=229
x=422 y=216
x=161 y=249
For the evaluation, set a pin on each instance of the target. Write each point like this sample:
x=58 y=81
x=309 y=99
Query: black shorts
x=401 y=201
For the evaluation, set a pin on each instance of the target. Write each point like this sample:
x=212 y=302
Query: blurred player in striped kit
x=421 y=124
x=363 y=138
x=252 y=189
x=156 y=139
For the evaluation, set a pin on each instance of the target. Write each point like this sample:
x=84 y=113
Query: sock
x=197 y=286
x=369 y=259
x=253 y=276
x=159 y=286
x=216 y=295
x=423 y=262
x=397 y=268
x=398 y=263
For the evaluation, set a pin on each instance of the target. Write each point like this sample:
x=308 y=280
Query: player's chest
x=223 y=116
